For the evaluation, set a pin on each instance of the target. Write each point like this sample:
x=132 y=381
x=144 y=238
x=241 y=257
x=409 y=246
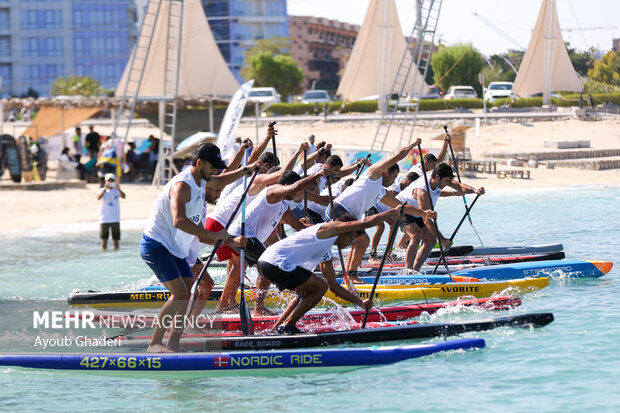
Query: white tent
x=546 y=66
x=376 y=55
x=202 y=69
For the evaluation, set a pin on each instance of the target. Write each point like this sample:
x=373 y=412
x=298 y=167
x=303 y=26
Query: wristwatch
x=246 y=170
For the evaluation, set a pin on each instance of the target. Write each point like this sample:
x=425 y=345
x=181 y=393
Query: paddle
x=217 y=245
x=305 y=190
x=275 y=154
x=385 y=254
x=350 y=286
x=430 y=201
x=273 y=142
x=455 y=231
x=359 y=172
x=244 y=311
x=458 y=176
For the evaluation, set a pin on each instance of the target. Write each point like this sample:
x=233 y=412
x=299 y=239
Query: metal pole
x=210 y=116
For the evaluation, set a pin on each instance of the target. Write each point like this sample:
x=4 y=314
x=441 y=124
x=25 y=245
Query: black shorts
x=252 y=251
x=104 y=231
x=410 y=219
x=372 y=211
x=284 y=279
x=315 y=217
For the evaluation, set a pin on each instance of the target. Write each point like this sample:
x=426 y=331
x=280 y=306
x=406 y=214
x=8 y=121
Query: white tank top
x=303 y=249
x=160 y=226
x=395 y=187
x=226 y=205
x=360 y=196
x=407 y=196
x=417 y=168
x=261 y=217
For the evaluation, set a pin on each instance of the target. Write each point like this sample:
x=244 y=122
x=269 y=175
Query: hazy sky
x=516 y=18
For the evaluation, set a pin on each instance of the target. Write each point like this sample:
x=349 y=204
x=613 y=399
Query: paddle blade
x=247 y=328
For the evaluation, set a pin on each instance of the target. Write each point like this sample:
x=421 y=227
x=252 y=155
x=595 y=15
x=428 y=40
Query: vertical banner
x=230 y=123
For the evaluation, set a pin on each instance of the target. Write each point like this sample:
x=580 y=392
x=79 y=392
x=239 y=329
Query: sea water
x=572 y=365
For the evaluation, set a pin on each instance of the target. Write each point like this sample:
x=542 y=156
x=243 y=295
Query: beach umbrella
x=190 y=143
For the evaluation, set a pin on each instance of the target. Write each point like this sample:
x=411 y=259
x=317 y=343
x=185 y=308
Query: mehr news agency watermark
x=64 y=320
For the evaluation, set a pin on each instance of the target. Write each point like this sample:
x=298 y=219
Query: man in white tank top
x=169 y=235
x=220 y=216
x=262 y=217
x=430 y=160
x=366 y=192
x=417 y=227
x=400 y=184
x=289 y=264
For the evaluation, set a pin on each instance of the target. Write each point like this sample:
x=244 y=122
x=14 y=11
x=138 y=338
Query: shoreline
x=58 y=219
x=24 y=210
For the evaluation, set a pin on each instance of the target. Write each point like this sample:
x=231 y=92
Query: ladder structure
x=422 y=36
x=137 y=67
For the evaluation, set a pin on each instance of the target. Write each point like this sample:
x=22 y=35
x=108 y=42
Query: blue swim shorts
x=166 y=266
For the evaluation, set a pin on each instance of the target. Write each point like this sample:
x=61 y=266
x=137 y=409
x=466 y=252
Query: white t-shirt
x=360 y=196
x=261 y=217
x=406 y=196
x=225 y=206
x=110 y=206
x=160 y=226
x=303 y=249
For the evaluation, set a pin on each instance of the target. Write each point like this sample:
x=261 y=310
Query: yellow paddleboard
x=389 y=293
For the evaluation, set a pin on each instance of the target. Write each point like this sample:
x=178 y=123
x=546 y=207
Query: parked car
x=264 y=95
x=431 y=93
x=403 y=100
x=315 y=96
x=461 y=92
x=498 y=90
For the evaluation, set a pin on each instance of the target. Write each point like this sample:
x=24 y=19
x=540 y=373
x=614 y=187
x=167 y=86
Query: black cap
x=210 y=153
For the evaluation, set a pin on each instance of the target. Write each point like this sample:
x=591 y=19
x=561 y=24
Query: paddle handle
x=217 y=245
x=456 y=230
x=430 y=201
x=305 y=190
x=359 y=172
x=350 y=286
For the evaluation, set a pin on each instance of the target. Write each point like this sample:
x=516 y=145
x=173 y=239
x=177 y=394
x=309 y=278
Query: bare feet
x=263 y=312
x=229 y=309
x=355 y=279
x=158 y=348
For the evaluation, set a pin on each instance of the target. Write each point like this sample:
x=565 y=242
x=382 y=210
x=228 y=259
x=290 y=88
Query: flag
x=230 y=123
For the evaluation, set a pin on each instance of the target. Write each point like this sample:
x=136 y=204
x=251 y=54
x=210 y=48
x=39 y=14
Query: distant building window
x=4 y=19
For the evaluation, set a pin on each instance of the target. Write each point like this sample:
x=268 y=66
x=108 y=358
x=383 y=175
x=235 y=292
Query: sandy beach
x=23 y=209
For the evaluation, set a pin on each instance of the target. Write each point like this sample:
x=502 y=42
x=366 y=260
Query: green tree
x=582 y=61
x=280 y=72
x=457 y=65
x=275 y=45
x=76 y=85
x=607 y=70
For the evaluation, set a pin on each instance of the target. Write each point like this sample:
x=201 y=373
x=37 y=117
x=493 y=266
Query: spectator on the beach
x=65 y=161
x=110 y=158
x=311 y=144
x=110 y=216
x=132 y=161
x=76 y=147
x=92 y=142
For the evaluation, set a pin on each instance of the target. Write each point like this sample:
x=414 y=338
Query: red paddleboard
x=316 y=319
